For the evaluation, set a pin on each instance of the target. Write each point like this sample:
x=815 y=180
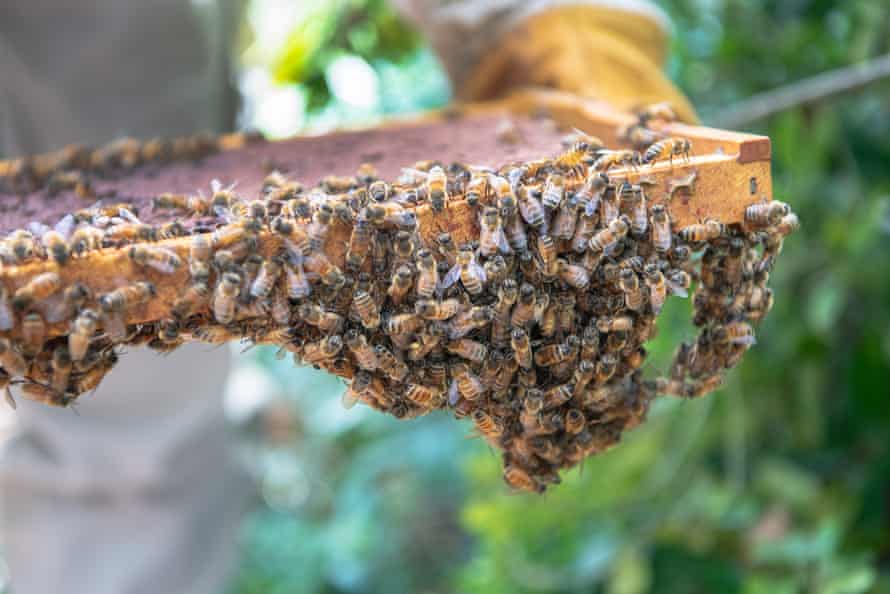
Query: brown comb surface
x=471 y=139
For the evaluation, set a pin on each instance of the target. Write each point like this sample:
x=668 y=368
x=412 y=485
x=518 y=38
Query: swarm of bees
x=73 y=167
x=532 y=324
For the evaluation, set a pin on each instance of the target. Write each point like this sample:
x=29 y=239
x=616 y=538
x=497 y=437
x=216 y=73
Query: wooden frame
x=732 y=172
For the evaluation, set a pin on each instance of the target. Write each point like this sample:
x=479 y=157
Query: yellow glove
x=593 y=51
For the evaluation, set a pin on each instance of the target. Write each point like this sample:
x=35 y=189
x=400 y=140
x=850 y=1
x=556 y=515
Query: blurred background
x=778 y=483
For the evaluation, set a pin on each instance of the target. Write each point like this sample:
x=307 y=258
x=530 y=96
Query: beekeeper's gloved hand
x=602 y=49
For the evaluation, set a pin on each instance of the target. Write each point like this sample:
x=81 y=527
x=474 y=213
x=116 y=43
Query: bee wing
x=411 y=176
x=541 y=306
x=749 y=340
x=450 y=278
x=65 y=226
x=38 y=229
x=128 y=216
x=349 y=399
x=677 y=290
x=294 y=254
x=215 y=185
x=479 y=271
x=592 y=205
x=453 y=394
x=503 y=244
x=224 y=213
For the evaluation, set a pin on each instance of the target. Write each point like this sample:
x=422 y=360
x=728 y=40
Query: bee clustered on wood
x=520 y=297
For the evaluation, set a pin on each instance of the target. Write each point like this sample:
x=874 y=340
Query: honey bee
x=679 y=281
x=7 y=317
x=118 y=302
x=403 y=324
x=477 y=189
x=195 y=205
x=85 y=239
x=241 y=235
x=401 y=284
x=466 y=383
x=268 y=275
x=551 y=354
x=36 y=290
x=359 y=242
x=315 y=315
x=661 y=229
x=573 y=275
x=21 y=246
x=566 y=219
x=318 y=228
x=607 y=159
x=491 y=234
x=318 y=263
x=44 y=394
x=390 y=365
x=192 y=300
x=428 y=274
x=524 y=310
x=325 y=349
x=582 y=376
x=7 y=393
x=223 y=197
x=788 y=225
x=468 y=349
x=56 y=247
x=605 y=369
x=638 y=135
x=521 y=346
x=163 y=260
x=633 y=295
x=364 y=354
x=82 y=331
x=584 y=230
x=420 y=394
x=668 y=148
x=765 y=214
x=554 y=192
x=615 y=324
x=468 y=271
x=33 y=334
x=335 y=184
x=735 y=333
x=657 y=111
x=532 y=211
x=574 y=421
x=638 y=212
x=573 y=160
x=129 y=232
x=366 y=309
x=63 y=307
x=607 y=238
x=297 y=284
x=391 y=214
x=224 y=295
x=517 y=478
x=436 y=188
x=488 y=426
x=700 y=232
x=11 y=360
x=61 y=369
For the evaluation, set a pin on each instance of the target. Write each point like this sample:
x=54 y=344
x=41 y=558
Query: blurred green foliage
x=779 y=483
x=368 y=29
